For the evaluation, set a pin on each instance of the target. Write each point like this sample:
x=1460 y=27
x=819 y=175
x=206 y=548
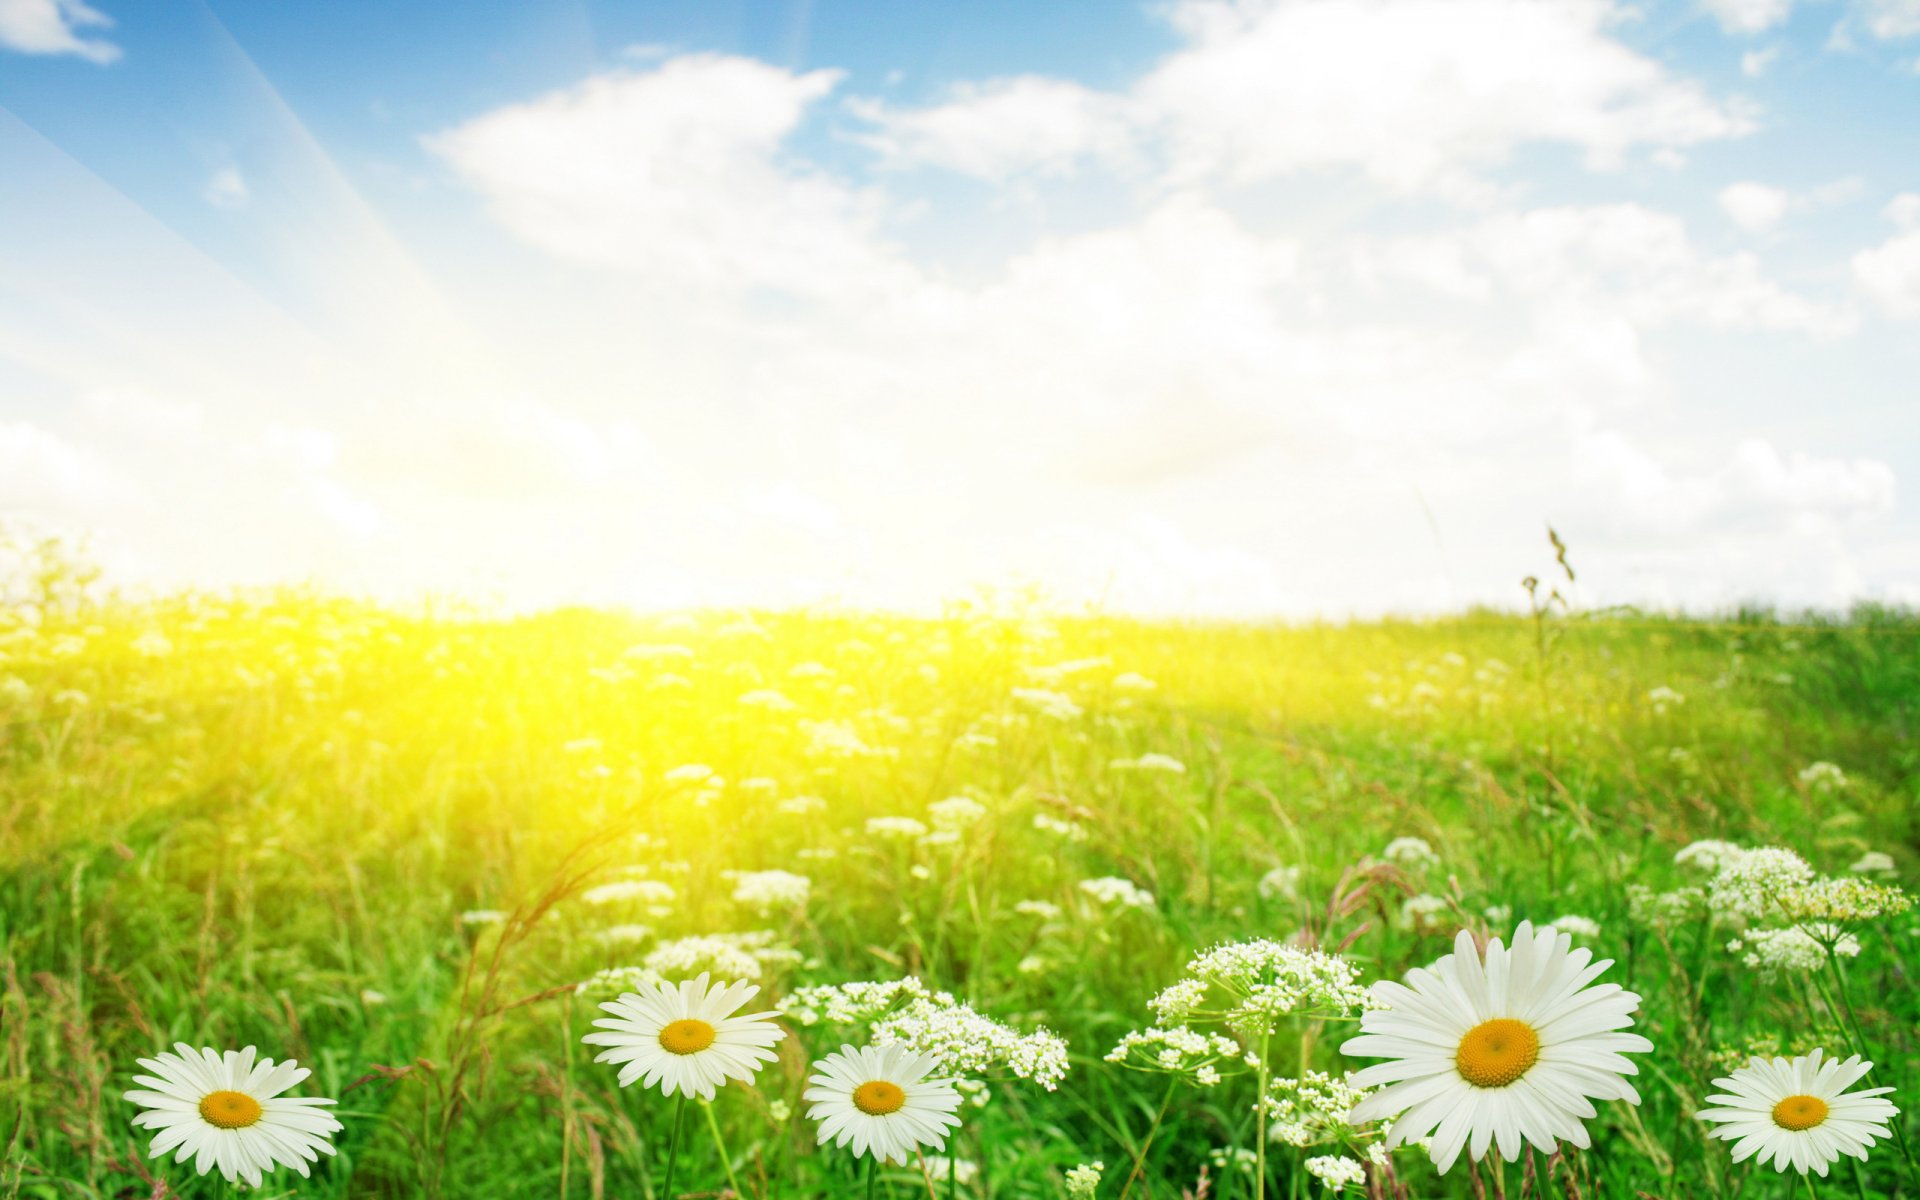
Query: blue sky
x=1276 y=306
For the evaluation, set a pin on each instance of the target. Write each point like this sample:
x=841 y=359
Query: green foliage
x=261 y=823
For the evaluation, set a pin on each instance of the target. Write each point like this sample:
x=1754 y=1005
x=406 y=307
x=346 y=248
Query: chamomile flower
x=1510 y=1050
x=1798 y=1112
x=686 y=1037
x=879 y=1100
x=227 y=1111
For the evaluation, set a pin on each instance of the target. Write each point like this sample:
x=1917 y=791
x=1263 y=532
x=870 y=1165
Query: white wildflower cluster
x=1114 y=892
x=1824 y=778
x=1843 y=899
x=963 y=1171
x=1661 y=699
x=1177 y=1050
x=1707 y=855
x=1084 y=1180
x=482 y=916
x=955 y=814
x=1312 y=1110
x=650 y=892
x=1336 y=1171
x=1150 y=762
x=1580 y=927
x=1425 y=912
x=1046 y=910
x=771 y=891
x=1073 y=831
x=1239 y=1160
x=1262 y=982
x=1666 y=910
x=1748 y=883
x=1411 y=852
x=1280 y=882
x=963 y=1040
x=896 y=828
x=615 y=980
x=839 y=739
x=1793 y=950
x=724 y=955
x=1874 y=862
x=1055 y=706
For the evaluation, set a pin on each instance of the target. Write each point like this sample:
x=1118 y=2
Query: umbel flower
x=1798 y=1112
x=227 y=1111
x=879 y=1100
x=685 y=1037
x=1509 y=1050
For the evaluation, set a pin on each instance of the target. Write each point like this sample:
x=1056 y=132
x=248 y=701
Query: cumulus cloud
x=675 y=171
x=1749 y=16
x=54 y=27
x=227 y=188
x=1003 y=127
x=1889 y=273
x=1754 y=207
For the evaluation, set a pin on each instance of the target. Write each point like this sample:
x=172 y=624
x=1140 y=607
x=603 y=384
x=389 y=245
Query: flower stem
x=713 y=1124
x=1808 y=1180
x=1260 y=1128
x=873 y=1173
x=673 y=1145
x=1140 y=1159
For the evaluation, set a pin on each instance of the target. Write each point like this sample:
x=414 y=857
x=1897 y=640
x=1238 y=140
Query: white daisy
x=880 y=1099
x=685 y=1037
x=1798 y=1112
x=1511 y=1050
x=226 y=1111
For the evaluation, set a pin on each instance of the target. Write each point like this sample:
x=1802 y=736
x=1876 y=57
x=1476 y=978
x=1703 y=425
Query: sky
x=1200 y=307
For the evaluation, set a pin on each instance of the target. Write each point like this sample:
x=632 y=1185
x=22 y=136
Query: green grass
x=265 y=831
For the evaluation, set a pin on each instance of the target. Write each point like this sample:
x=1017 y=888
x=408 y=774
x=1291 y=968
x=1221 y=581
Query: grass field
x=404 y=849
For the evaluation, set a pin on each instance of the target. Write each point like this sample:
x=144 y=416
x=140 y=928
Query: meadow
x=414 y=850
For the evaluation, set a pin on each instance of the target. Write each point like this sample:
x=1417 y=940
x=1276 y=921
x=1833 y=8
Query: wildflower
x=904 y=828
x=1132 y=681
x=1150 y=762
x=611 y=981
x=880 y=1100
x=482 y=916
x=226 y=1110
x=1580 y=927
x=1426 y=911
x=1115 y=892
x=1084 y=1180
x=1281 y=881
x=648 y=891
x=1311 y=1110
x=1038 y=908
x=769 y=891
x=1873 y=862
x=1664 y=698
x=1263 y=981
x=955 y=813
x=1053 y=705
x=1336 y=1171
x=1526 y=1045
x=1823 y=777
x=1177 y=1050
x=1774 y=952
x=1748 y=885
x=1842 y=899
x=1238 y=1159
x=1798 y=1112
x=728 y=955
x=768 y=699
x=1708 y=855
x=691 y=773
x=800 y=806
x=959 y=1170
x=962 y=1040
x=1073 y=831
x=686 y=1038
x=1411 y=852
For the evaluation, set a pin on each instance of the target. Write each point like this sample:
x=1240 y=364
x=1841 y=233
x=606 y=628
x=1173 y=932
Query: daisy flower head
x=227 y=1111
x=1798 y=1112
x=685 y=1037
x=880 y=1100
x=1510 y=1049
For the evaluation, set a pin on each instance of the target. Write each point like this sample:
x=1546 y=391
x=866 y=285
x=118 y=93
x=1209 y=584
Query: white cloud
x=44 y=474
x=996 y=129
x=227 y=188
x=1749 y=16
x=1754 y=63
x=1268 y=88
x=53 y=27
x=1890 y=274
x=1754 y=207
x=1891 y=18
x=675 y=172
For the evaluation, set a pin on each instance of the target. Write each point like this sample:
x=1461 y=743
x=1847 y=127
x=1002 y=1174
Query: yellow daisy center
x=1497 y=1052
x=1799 y=1112
x=878 y=1098
x=229 y=1110
x=686 y=1037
